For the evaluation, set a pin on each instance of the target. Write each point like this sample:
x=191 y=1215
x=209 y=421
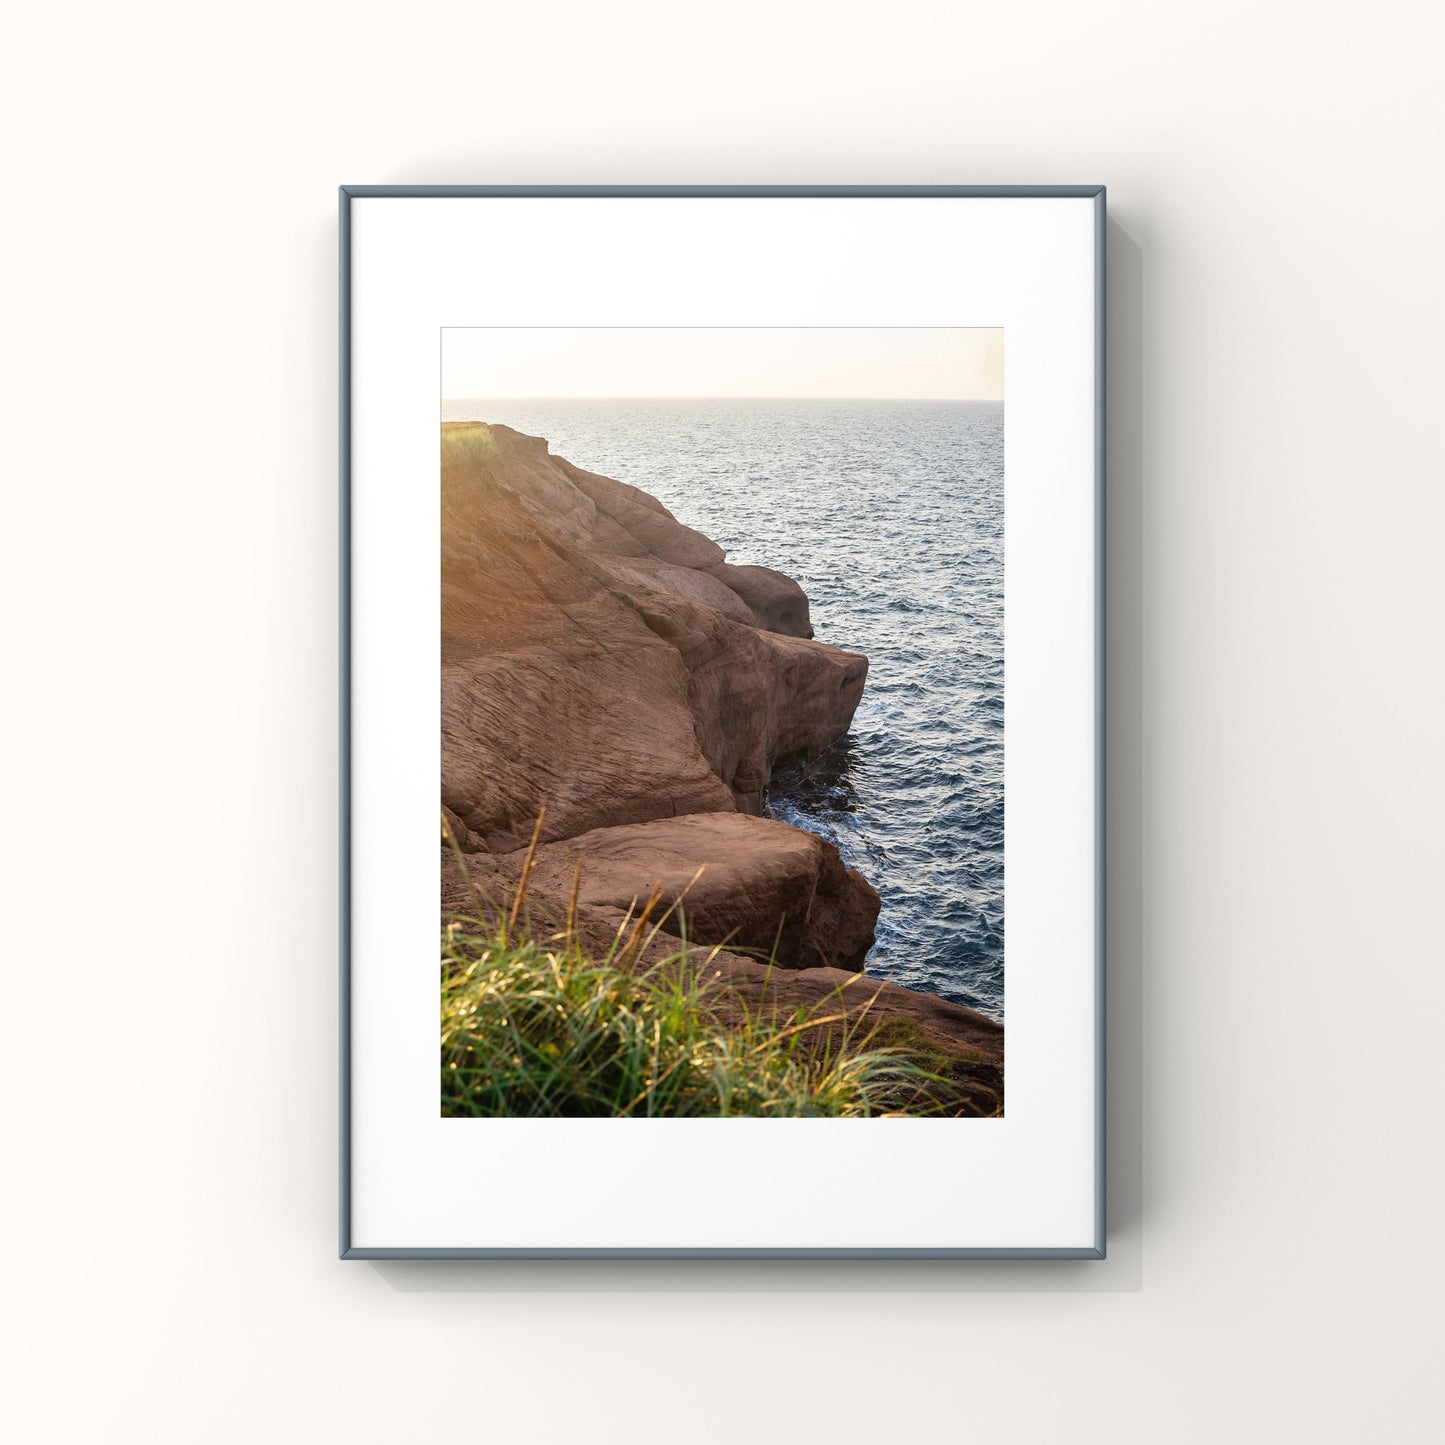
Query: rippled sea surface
x=890 y=514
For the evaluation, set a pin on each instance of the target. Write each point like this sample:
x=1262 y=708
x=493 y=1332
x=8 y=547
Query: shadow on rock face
x=821 y=783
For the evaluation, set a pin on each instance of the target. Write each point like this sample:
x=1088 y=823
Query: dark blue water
x=890 y=514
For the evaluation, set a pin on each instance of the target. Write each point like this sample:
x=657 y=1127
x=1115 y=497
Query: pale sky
x=939 y=362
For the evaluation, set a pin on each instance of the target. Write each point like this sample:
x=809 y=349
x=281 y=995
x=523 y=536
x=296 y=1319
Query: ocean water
x=890 y=515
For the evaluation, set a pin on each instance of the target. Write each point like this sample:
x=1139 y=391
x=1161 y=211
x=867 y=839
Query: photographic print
x=722 y=722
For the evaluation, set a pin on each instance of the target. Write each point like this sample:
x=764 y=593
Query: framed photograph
x=722 y=701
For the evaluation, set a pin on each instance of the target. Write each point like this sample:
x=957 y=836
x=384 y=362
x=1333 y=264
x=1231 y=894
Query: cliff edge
x=602 y=659
x=604 y=662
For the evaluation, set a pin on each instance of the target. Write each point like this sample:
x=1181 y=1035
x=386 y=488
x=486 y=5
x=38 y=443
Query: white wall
x=1275 y=680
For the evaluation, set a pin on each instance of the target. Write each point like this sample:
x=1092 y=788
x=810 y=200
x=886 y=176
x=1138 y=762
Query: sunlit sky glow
x=941 y=362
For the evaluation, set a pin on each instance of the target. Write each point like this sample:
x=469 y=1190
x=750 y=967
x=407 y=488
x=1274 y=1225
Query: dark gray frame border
x=347 y=194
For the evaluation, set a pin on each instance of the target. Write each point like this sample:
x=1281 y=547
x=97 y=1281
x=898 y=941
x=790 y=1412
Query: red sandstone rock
x=599 y=659
x=777 y=602
x=750 y=884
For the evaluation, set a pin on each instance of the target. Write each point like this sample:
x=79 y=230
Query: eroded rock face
x=751 y=885
x=965 y=1049
x=602 y=660
x=776 y=602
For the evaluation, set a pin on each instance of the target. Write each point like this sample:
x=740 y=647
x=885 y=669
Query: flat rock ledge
x=753 y=871
x=752 y=885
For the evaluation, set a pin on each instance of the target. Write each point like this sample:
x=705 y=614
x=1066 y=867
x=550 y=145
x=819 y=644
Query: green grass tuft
x=535 y=1029
x=464 y=444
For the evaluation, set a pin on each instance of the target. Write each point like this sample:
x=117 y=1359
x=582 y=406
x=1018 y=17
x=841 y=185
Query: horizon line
x=679 y=396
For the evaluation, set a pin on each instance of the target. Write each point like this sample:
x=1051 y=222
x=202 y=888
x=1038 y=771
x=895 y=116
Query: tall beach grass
x=534 y=1024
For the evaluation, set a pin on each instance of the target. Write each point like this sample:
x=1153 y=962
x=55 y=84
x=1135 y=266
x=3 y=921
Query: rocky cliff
x=602 y=659
x=604 y=662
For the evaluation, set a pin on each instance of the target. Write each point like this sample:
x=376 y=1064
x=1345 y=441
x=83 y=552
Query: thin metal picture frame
x=348 y=193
